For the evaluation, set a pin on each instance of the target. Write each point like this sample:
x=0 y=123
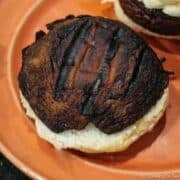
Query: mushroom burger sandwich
x=92 y=84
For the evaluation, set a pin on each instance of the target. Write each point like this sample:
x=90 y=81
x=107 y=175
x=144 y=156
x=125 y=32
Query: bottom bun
x=92 y=140
x=126 y=20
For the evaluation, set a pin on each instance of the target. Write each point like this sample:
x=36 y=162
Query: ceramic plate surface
x=156 y=154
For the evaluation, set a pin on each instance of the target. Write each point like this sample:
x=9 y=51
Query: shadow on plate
x=168 y=45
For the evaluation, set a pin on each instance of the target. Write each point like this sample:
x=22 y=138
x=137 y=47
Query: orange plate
x=155 y=155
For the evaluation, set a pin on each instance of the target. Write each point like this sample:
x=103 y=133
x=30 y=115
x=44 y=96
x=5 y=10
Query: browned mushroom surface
x=90 y=69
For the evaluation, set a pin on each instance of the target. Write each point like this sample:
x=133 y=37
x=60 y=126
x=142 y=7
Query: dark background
x=9 y=172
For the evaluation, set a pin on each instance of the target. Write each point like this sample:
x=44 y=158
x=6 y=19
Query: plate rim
x=6 y=152
x=3 y=149
x=19 y=164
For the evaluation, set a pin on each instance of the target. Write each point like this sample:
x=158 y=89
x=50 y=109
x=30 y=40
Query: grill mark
x=59 y=37
x=155 y=81
x=69 y=57
x=149 y=91
x=52 y=65
x=78 y=66
x=120 y=91
x=84 y=55
x=86 y=107
x=74 y=70
x=135 y=72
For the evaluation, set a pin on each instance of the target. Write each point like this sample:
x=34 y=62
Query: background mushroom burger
x=159 y=18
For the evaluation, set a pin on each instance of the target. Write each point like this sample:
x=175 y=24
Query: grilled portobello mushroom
x=90 y=70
